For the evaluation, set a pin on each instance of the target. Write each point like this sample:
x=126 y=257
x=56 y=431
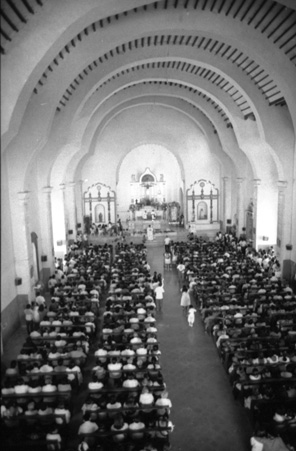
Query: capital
x=239 y=180
x=256 y=182
x=282 y=184
x=23 y=196
x=70 y=184
x=225 y=179
x=47 y=189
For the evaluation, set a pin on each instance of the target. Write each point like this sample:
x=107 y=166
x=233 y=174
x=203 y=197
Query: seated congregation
x=97 y=340
x=251 y=315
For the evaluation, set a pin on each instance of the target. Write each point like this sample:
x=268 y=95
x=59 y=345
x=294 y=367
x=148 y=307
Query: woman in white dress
x=167 y=260
x=185 y=299
x=191 y=315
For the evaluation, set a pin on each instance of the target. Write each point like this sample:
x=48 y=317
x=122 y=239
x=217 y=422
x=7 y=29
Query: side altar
x=202 y=199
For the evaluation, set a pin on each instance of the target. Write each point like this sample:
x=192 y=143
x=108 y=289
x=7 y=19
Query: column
x=193 y=207
x=47 y=247
x=70 y=208
x=226 y=214
x=59 y=220
x=79 y=204
x=281 y=214
x=240 y=207
x=256 y=184
x=284 y=232
x=23 y=247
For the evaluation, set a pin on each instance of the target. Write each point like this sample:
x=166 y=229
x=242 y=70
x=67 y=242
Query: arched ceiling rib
x=271 y=18
x=275 y=22
x=15 y=14
x=184 y=101
x=185 y=107
x=259 y=76
x=183 y=67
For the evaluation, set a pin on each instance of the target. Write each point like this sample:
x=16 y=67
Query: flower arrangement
x=148 y=202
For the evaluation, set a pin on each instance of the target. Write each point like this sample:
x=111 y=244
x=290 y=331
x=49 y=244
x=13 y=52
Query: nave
x=205 y=413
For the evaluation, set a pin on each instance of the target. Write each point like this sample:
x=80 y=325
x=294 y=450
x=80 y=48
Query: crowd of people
x=40 y=385
x=251 y=315
x=99 y=300
x=127 y=403
x=102 y=308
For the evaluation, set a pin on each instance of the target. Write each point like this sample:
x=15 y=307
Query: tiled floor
x=205 y=414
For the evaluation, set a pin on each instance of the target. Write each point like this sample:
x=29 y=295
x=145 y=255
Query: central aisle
x=205 y=414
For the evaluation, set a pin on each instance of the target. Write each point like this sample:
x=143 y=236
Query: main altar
x=148 y=200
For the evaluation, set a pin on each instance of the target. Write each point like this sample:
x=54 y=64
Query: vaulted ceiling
x=209 y=50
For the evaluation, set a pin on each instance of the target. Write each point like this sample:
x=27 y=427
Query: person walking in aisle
x=191 y=315
x=36 y=316
x=167 y=243
x=185 y=299
x=29 y=318
x=159 y=290
x=167 y=260
x=181 y=271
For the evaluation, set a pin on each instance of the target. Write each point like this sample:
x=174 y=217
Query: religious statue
x=202 y=214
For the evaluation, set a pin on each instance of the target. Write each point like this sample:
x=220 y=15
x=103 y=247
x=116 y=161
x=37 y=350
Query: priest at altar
x=148 y=213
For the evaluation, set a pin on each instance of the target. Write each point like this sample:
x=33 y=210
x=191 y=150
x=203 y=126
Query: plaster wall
x=12 y=303
x=8 y=274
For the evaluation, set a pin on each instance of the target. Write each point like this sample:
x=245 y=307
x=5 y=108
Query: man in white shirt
x=130 y=382
x=65 y=414
x=40 y=300
x=135 y=427
x=159 y=290
x=115 y=369
x=181 y=271
x=164 y=404
x=167 y=242
x=89 y=426
x=46 y=368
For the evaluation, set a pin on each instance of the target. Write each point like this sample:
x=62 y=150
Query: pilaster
x=47 y=247
x=240 y=206
x=79 y=203
x=226 y=199
x=70 y=208
x=256 y=184
x=23 y=246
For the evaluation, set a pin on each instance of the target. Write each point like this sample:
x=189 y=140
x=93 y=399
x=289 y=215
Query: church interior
x=125 y=122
